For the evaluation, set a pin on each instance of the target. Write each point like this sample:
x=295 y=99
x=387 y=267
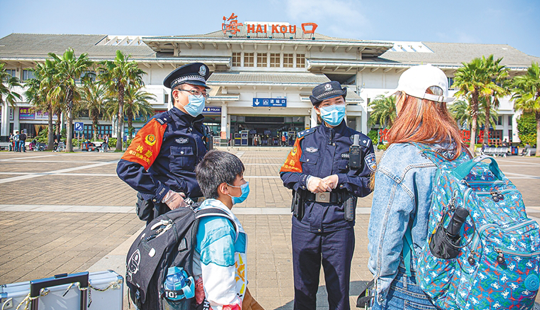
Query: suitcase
x=96 y=290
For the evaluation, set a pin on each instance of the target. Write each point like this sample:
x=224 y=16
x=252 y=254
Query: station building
x=262 y=74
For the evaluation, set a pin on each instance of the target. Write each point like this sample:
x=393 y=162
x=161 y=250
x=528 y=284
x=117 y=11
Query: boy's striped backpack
x=497 y=263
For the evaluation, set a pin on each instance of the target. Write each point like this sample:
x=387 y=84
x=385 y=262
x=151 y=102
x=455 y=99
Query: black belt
x=327 y=197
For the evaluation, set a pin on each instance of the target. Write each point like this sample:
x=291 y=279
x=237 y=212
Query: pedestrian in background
x=160 y=162
x=323 y=182
x=403 y=183
x=22 y=141
x=16 y=141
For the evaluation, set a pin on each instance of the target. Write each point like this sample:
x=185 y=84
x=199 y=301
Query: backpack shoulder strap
x=407 y=250
x=206 y=212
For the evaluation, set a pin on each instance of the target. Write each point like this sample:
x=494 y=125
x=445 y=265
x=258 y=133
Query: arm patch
x=292 y=163
x=147 y=143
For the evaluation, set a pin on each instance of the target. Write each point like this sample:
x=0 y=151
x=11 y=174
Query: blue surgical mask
x=195 y=105
x=245 y=192
x=334 y=114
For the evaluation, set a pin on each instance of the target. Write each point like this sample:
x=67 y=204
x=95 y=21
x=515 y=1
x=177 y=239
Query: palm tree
x=137 y=104
x=7 y=83
x=69 y=69
x=472 y=80
x=496 y=88
x=526 y=94
x=461 y=112
x=38 y=94
x=117 y=75
x=383 y=111
x=93 y=99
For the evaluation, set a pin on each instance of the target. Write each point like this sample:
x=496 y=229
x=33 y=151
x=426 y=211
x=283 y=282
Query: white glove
x=317 y=185
x=332 y=180
x=174 y=200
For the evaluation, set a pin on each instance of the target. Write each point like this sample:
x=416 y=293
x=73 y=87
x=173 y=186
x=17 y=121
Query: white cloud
x=340 y=18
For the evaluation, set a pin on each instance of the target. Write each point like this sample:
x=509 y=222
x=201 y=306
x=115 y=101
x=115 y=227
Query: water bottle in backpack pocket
x=179 y=289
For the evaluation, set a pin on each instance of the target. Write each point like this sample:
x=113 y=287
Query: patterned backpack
x=497 y=263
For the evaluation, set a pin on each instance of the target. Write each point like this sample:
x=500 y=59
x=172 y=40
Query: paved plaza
x=65 y=213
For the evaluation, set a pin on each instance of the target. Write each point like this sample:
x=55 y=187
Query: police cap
x=327 y=90
x=195 y=74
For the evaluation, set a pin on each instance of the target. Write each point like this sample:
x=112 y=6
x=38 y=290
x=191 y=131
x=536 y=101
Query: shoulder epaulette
x=163 y=118
x=305 y=132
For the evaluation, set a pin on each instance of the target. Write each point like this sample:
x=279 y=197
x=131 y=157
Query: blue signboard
x=79 y=126
x=269 y=102
x=211 y=110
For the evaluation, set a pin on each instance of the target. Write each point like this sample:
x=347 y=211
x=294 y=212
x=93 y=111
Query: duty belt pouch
x=145 y=208
x=297 y=205
x=349 y=207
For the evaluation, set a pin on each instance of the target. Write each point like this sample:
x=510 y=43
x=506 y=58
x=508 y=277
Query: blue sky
x=513 y=22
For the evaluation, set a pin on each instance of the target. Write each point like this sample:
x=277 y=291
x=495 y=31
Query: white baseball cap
x=415 y=82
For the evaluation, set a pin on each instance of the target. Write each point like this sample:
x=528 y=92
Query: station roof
x=27 y=49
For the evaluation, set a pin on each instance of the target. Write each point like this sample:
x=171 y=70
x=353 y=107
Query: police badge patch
x=202 y=71
x=311 y=149
x=182 y=140
x=371 y=162
x=150 y=140
x=328 y=87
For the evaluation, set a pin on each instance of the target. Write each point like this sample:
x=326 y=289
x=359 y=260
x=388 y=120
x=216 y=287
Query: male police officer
x=161 y=160
x=326 y=171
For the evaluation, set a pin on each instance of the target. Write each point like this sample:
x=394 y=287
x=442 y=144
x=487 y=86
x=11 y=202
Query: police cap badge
x=327 y=90
x=195 y=74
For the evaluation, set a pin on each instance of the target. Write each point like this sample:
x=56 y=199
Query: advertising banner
x=26 y=113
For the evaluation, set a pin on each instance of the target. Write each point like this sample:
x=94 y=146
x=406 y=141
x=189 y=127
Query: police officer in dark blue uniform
x=160 y=162
x=327 y=171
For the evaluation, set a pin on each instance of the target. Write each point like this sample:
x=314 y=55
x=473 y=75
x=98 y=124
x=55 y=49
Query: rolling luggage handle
x=37 y=285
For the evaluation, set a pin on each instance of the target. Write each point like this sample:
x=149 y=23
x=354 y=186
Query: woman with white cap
x=403 y=184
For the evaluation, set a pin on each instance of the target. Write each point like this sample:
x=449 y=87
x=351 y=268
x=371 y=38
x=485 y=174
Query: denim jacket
x=402 y=197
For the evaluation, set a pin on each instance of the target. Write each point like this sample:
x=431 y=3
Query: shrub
x=381 y=147
x=526 y=124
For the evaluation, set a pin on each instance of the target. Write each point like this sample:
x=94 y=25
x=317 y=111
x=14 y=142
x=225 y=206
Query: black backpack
x=169 y=240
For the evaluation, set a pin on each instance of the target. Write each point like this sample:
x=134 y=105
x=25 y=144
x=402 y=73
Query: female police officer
x=326 y=173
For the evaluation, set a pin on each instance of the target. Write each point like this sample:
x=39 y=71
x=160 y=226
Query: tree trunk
x=474 y=122
x=69 y=133
x=487 y=122
x=537 y=133
x=58 y=123
x=50 y=133
x=119 y=131
x=130 y=124
x=95 y=117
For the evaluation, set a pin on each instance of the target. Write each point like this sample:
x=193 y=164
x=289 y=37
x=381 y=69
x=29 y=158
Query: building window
x=499 y=120
x=236 y=59
x=262 y=59
x=509 y=120
x=274 y=60
x=450 y=83
x=288 y=60
x=300 y=60
x=249 y=60
x=166 y=98
x=28 y=74
x=11 y=72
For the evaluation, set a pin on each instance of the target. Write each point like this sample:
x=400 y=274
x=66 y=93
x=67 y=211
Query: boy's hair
x=215 y=168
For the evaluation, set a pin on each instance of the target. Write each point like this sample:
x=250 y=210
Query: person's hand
x=317 y=185
x=174 y=200
x=331 y=181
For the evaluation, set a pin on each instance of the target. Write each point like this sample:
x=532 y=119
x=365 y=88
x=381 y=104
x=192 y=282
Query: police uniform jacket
x=322 y=151
x=163 y=156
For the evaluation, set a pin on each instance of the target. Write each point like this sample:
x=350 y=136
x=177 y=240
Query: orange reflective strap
x=147 y=143
x=292 y=163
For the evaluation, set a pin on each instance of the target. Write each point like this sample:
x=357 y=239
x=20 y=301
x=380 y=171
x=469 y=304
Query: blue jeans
x=404 y=294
